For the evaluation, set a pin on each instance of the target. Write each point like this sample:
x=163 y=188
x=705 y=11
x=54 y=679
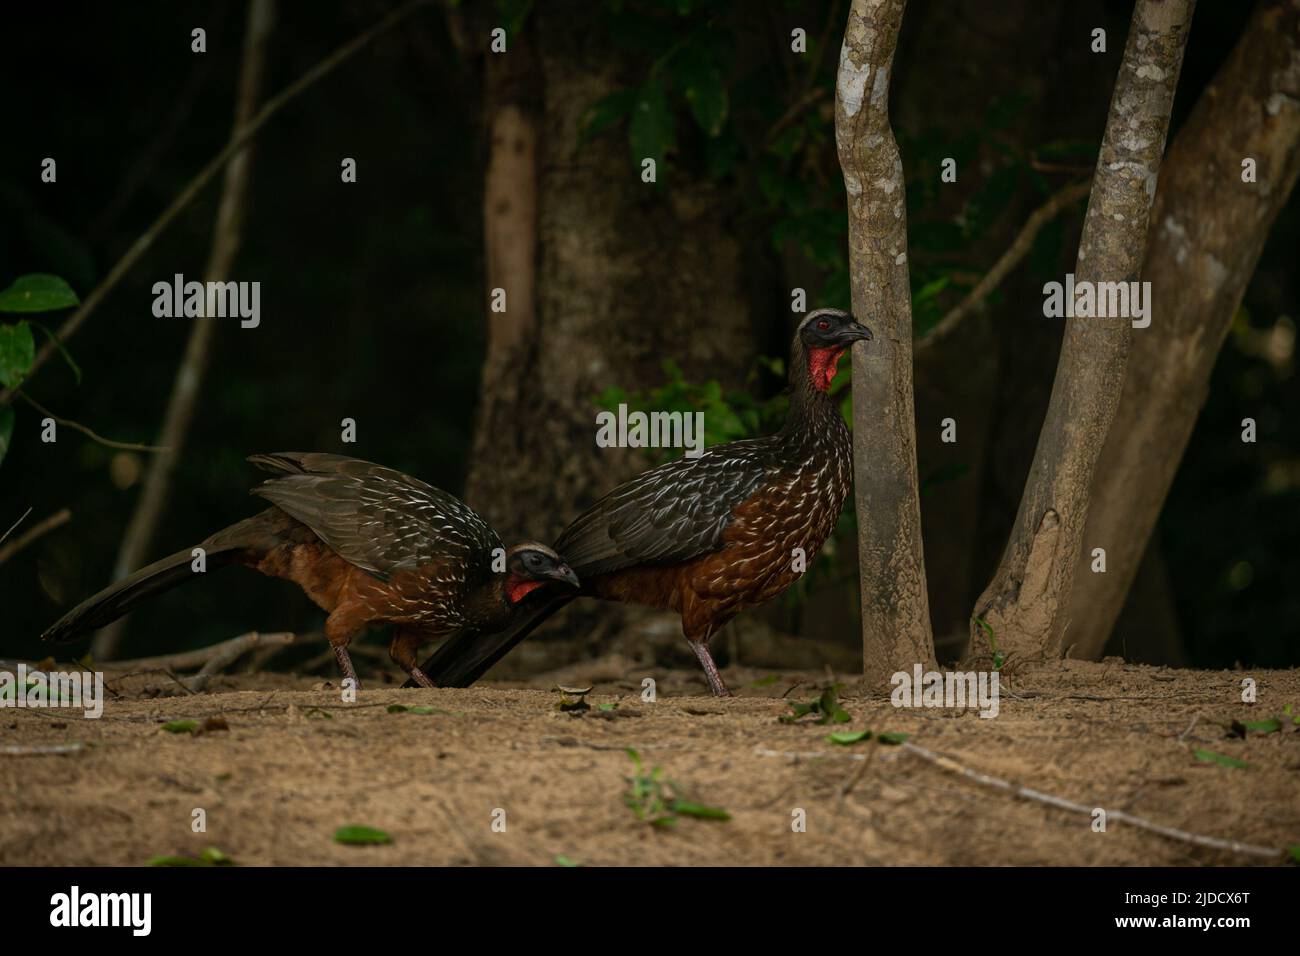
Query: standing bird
x=710 y=536
x=369 y=545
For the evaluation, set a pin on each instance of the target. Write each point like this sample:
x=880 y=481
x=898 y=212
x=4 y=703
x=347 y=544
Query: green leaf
x=514 y=13
x=17 y=352
x=653 y=129
x=604 y=113
x=361 y=836
x=930 y=290
x=1209 y=756
x=846 y=738
x=1269 y=726
x=37 y=293
x=767 y=681
x=562 y=860
x=891 y=737
x=211 y=855
x=181 y=726
x=701 y=84
x=688 y=808
x=1293 y=851
x=6 y=429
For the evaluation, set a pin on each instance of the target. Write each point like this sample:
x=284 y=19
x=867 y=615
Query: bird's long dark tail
x=466 y=656
x=118 y=598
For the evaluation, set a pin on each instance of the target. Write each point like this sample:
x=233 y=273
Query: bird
x=369 y=545
x=707 y=536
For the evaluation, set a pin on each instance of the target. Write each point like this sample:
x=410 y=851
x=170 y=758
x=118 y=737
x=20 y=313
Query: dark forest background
x=374 y=301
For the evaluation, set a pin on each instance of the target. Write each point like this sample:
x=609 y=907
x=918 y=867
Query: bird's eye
x=823 y=325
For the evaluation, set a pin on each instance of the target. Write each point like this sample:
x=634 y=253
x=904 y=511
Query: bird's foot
x=421 y=678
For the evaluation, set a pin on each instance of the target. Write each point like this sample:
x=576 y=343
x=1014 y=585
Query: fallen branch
x=20 y=750
x=1173 y=833
x=1017 y=251
x=56 y=520
x=195 y=186
x=227 y=652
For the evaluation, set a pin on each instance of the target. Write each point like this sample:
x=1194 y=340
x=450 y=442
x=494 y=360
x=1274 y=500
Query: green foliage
x=513 y=15
x=652 y=130
x=361 y=836
x=826 y=709
x=210 y=856
x=728 y=416
x=181 y=726
x=1209 y=756
x=37 y=293
x=17 y=352
x=847 y=738
x=998 y=658
x=659 y=801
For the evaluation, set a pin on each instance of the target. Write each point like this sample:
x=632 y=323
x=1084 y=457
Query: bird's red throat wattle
x=822 y=365
x=518 y=588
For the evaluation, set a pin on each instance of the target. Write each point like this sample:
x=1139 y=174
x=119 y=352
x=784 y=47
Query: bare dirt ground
x=284 y=776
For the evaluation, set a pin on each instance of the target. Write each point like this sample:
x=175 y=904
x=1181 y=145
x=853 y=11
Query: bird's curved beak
x=854 y=332
x=564 y=574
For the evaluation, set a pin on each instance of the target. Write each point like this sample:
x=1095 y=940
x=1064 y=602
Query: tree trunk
x=628 y=274
x=1210 y=228
x=1026 y=603
x=895 y=607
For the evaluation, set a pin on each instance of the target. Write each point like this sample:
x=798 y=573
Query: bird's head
x=825 y=335
x=530 y=565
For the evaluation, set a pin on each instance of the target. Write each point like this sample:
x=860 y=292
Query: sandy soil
x=283 y=777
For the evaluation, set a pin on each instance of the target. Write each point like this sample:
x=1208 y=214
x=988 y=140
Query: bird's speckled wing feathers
x=375 y=518
x=667 y=514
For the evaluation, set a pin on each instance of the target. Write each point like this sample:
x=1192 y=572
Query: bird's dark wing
x=375 y=518
x=667 y=514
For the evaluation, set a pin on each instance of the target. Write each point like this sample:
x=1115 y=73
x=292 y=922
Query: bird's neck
x=812 y=410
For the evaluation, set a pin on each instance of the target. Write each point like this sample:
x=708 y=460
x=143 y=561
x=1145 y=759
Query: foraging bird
x=710 y=536
x=369 y=545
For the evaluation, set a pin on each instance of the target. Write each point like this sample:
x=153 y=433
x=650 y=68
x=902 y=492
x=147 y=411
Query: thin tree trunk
x=189 y=376
x=512 y=84
x=895 y=607
x=1026 y=603
x=1209 y=230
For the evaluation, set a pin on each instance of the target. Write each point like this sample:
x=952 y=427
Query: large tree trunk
x=1026 y=603
x=895 y=608
x=628 y=274
x=1209 y=229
